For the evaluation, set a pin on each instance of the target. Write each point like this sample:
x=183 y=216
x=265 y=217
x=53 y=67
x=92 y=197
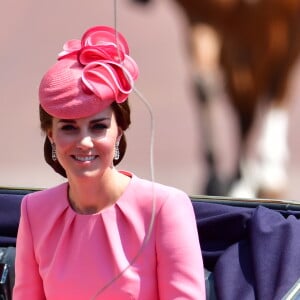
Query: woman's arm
x=180 y=266
x=28 y=283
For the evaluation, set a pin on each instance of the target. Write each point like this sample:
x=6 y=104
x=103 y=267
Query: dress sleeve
x=180 y=266
x=28 y=283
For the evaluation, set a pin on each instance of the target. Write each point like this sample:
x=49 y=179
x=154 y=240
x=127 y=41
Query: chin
x=86 y=174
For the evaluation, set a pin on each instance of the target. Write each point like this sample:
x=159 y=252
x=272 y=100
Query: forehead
x=106 y=114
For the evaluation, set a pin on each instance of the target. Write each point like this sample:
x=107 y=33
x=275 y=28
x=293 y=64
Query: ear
x=50 y=136
x=120 y=133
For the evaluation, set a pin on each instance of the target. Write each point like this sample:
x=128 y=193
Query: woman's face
x=85 y=147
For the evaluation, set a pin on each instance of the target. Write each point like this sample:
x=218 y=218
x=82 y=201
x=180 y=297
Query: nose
x=85 y=142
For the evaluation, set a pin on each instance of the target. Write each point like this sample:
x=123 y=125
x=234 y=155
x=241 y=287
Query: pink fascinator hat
x=89 y=75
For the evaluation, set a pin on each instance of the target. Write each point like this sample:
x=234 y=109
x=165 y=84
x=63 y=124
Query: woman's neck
x=91 y=195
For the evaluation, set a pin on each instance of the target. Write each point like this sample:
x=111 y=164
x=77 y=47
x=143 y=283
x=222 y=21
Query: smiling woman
x=122 y=116
x=84 y=113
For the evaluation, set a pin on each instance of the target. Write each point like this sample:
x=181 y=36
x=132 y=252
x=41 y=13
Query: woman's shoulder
x=166 y=200
x=163 y=193
x=43 y=199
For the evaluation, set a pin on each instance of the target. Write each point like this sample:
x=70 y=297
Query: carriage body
x=223 y=224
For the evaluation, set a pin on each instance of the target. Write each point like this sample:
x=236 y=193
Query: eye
x=68 y=127
x=99 y=126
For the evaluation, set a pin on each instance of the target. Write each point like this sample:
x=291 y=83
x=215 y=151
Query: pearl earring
x=53 y=153
x=117 y=151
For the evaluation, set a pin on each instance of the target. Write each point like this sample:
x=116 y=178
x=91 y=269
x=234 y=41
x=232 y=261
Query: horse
x=245 y=49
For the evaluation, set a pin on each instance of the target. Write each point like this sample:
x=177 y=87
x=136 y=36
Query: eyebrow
x=66 y=121
x=100 y=119
x=92 y=121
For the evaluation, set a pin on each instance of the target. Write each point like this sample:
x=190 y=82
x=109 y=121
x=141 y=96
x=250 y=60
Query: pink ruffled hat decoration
x=89 y=75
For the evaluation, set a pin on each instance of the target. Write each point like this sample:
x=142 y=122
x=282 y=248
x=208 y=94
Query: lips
x=84 y=158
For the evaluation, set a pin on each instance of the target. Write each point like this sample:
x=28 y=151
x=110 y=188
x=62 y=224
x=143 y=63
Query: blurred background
x=33 y=33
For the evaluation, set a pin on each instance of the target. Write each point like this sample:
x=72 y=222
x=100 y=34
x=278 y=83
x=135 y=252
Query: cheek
x=63 y=141
x=106 y=144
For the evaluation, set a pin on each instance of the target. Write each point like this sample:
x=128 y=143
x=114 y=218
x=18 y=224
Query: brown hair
x=122 y=114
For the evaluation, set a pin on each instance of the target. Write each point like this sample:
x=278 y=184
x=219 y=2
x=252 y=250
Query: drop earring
x=117 y=151
x=53 y=153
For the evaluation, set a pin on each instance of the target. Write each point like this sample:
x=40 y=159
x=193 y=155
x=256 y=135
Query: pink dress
x=63 y=255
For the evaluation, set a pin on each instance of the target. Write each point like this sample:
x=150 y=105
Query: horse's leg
x=209 y=86
x=273 y=152
x=273 y=147
x=243 y=97
x=264 y=171
x=245 y=182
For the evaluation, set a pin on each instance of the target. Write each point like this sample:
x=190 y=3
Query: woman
x=93 y=236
